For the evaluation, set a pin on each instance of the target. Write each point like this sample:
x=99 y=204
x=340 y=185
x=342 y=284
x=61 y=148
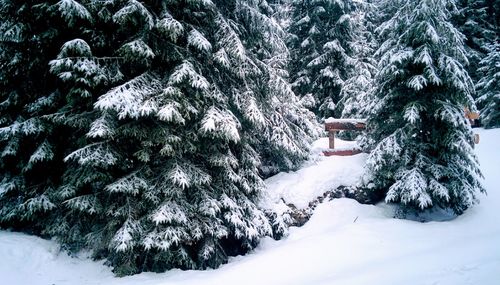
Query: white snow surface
x=319 y=175
x=343 y=243
x=353 y=121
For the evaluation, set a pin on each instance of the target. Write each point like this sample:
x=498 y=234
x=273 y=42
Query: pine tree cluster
x=142 y=130
x=320 y=40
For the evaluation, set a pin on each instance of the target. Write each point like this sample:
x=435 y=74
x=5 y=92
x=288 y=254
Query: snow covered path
x=343 y=243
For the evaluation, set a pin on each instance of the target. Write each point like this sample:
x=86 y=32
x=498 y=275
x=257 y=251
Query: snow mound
x=315 y=178
x=30 y=260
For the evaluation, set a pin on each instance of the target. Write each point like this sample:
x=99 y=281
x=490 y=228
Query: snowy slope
x=316 y=177
x=343 y=243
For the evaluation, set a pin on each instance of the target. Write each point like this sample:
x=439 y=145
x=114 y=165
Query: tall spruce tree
x=32 y=148
x=356 y=101
x=422 y=150
x=321 y=33
x=170 y=169
x=488 y=88
x=479 y=21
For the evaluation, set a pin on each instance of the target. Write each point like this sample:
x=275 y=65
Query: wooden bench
x=334 y=125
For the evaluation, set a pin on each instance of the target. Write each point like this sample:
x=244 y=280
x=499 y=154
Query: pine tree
x=479 y=21
x=356 y=101
x=488 y=88
x=321 y=32
x=32 y=149
x=82 y=77
x=422 y=149
x=170 y=169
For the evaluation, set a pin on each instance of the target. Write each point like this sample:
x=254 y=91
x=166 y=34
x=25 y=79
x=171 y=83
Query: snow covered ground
x=343 y=243
x=316 y=177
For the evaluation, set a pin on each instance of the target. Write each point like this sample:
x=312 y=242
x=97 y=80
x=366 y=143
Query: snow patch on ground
x=343 y=243
x=322 y=144
x=319 y=175
x=30 y=260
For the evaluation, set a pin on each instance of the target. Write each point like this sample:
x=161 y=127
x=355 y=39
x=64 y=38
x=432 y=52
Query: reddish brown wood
x=332 y=126
x=344 y=152
x=471 y=115
x=331 y=139
x=344 y=126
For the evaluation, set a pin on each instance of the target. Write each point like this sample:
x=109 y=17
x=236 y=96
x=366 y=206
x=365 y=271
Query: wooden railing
x=332 y=126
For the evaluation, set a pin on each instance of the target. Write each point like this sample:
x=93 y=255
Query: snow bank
x=322 y=145
x=30 y=260
x=316 y=177
x=343 y=243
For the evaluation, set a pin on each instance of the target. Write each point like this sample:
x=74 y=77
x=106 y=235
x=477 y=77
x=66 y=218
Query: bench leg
x=331 y=139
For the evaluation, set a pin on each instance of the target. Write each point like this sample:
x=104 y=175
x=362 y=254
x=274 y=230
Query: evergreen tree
x=82 y=77
x=488 y=88
x=479 y=21
x=32 y=148
x=321 y=33
x=422 y=149
x=356 y=101
x=169 y=173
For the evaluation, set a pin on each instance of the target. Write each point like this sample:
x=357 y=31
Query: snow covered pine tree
x=170 y=171
x=355 y=101
x=488 y=88
x=320 y=51
x=422 y=144
x=32 y=148
x=478 y=20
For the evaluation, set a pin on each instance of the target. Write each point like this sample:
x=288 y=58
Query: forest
x=143 y=131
